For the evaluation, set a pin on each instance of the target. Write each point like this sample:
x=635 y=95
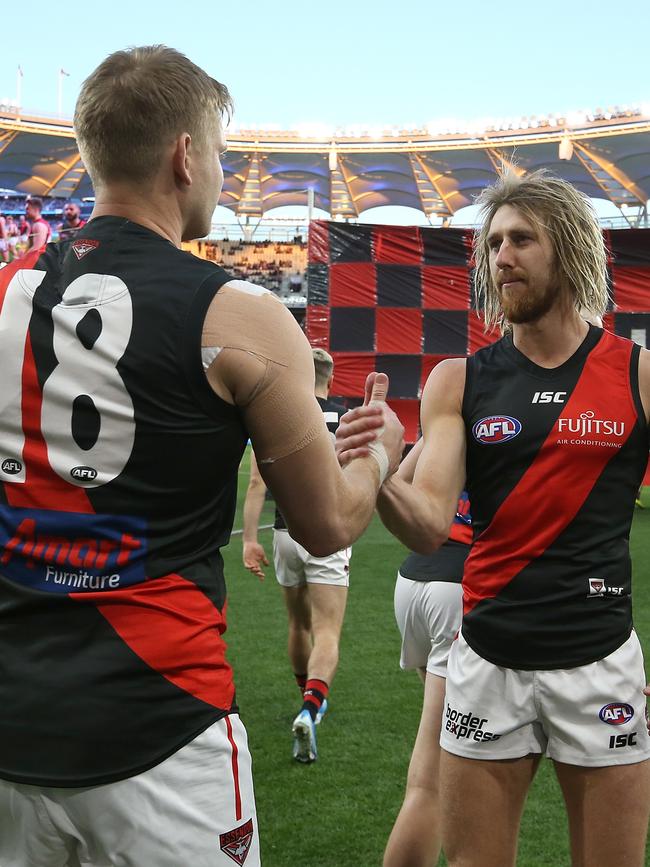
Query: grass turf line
x=338 y=812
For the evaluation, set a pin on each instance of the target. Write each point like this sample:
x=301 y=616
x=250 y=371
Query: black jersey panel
x=92 y=712
x=446 y=564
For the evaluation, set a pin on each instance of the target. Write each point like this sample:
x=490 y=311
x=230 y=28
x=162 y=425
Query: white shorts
x=428 y=615
x=195 y=808
x=295 y=566
x=592 y=715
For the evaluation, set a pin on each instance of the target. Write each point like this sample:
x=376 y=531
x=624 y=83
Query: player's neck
x=323 y=393
x=154 y=212
x=552 y=339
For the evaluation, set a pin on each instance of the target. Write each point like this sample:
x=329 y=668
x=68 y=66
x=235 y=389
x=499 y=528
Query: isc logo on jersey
x=496 y=429
x=616 y=713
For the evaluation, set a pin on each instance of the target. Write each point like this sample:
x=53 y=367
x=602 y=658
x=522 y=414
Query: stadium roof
x=435 y=170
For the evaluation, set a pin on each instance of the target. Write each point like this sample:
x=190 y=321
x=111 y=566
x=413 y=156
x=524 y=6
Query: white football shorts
x=195 y=808
x=428 y=614
x=593 y=715
x=295 y=566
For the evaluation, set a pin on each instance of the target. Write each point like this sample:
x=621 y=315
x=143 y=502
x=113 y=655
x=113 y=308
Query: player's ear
x=182 y=158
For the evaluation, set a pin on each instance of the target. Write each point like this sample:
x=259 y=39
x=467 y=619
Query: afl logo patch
x=84 y=474
x=616 y=713
x=11 y=466
x=496 y=429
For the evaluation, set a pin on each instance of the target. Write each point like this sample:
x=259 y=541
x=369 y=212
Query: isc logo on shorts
x=616 y=713
x=496 y=429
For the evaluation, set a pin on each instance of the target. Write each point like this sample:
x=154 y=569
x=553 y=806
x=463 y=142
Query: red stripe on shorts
x=235 y=769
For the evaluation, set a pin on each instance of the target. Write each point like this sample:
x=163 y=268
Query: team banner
x=400 y=298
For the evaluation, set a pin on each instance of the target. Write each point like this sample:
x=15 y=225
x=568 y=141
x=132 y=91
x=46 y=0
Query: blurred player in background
x=315 y=588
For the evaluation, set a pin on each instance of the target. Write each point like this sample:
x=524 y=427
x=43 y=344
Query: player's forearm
x=253 y=505
x=412 y=516
x=344 y=508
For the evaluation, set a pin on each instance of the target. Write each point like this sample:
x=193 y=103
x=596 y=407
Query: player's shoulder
x=446 y=383
x=246 y=288
x=448 y=372
x=254 y=301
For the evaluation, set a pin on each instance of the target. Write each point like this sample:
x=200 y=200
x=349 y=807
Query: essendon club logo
x=496 y=429
x=83 y=247
x=237 y=843
x=596 y=587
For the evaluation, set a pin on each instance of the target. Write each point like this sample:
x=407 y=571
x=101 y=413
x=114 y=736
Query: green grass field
x=338 y=812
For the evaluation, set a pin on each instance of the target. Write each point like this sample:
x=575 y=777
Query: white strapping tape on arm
x=378 y=452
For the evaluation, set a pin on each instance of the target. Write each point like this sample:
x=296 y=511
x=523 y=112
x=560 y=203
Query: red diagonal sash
x=519 y=533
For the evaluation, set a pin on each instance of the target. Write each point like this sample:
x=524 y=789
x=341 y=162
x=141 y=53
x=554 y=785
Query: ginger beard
x=525 y=298
x=523 y=266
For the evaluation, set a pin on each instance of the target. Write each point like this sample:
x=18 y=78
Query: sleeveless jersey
x=447 y=563
x=118 y=467
x=554 y=461
x=332 y=411
x=44 y=223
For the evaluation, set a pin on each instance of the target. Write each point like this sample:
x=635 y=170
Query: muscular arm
x=419 y=512
x=254 y=555
x=264 y=365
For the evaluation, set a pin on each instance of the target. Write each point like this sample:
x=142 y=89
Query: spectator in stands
x=71 y=222
x=40 y=231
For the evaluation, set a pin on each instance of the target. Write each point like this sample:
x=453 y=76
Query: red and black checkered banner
x=398 y=299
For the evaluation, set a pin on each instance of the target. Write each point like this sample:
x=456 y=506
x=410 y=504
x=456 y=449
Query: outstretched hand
x=372 y=422
x=254 y=557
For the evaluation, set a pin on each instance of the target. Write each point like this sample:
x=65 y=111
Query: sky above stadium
x=352 y=63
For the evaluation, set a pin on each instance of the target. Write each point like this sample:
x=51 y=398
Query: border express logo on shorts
x=616 y=713
x=496 y=429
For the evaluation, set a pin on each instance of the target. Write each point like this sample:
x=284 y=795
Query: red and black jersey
x=332 y=413
x=43 y=222
x=555 y=458
x=118 y=466
x=447 y=563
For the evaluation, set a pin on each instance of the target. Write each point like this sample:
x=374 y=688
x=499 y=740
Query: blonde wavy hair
x=568 y=218
x=135 y=103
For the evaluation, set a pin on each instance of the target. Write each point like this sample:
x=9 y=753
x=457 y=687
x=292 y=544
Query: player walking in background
x=39 y=229
x=315 y=588
x=548 y=431
x=428 y=610
x=71 y=222
x=133 y=376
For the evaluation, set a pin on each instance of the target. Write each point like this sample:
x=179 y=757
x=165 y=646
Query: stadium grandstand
x=431 y=175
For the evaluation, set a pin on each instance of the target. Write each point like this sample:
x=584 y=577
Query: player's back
x=118 y=466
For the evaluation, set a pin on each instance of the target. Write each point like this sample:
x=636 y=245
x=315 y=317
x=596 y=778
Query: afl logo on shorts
x=11 y=466
x=616 y=713
x=496 y=429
